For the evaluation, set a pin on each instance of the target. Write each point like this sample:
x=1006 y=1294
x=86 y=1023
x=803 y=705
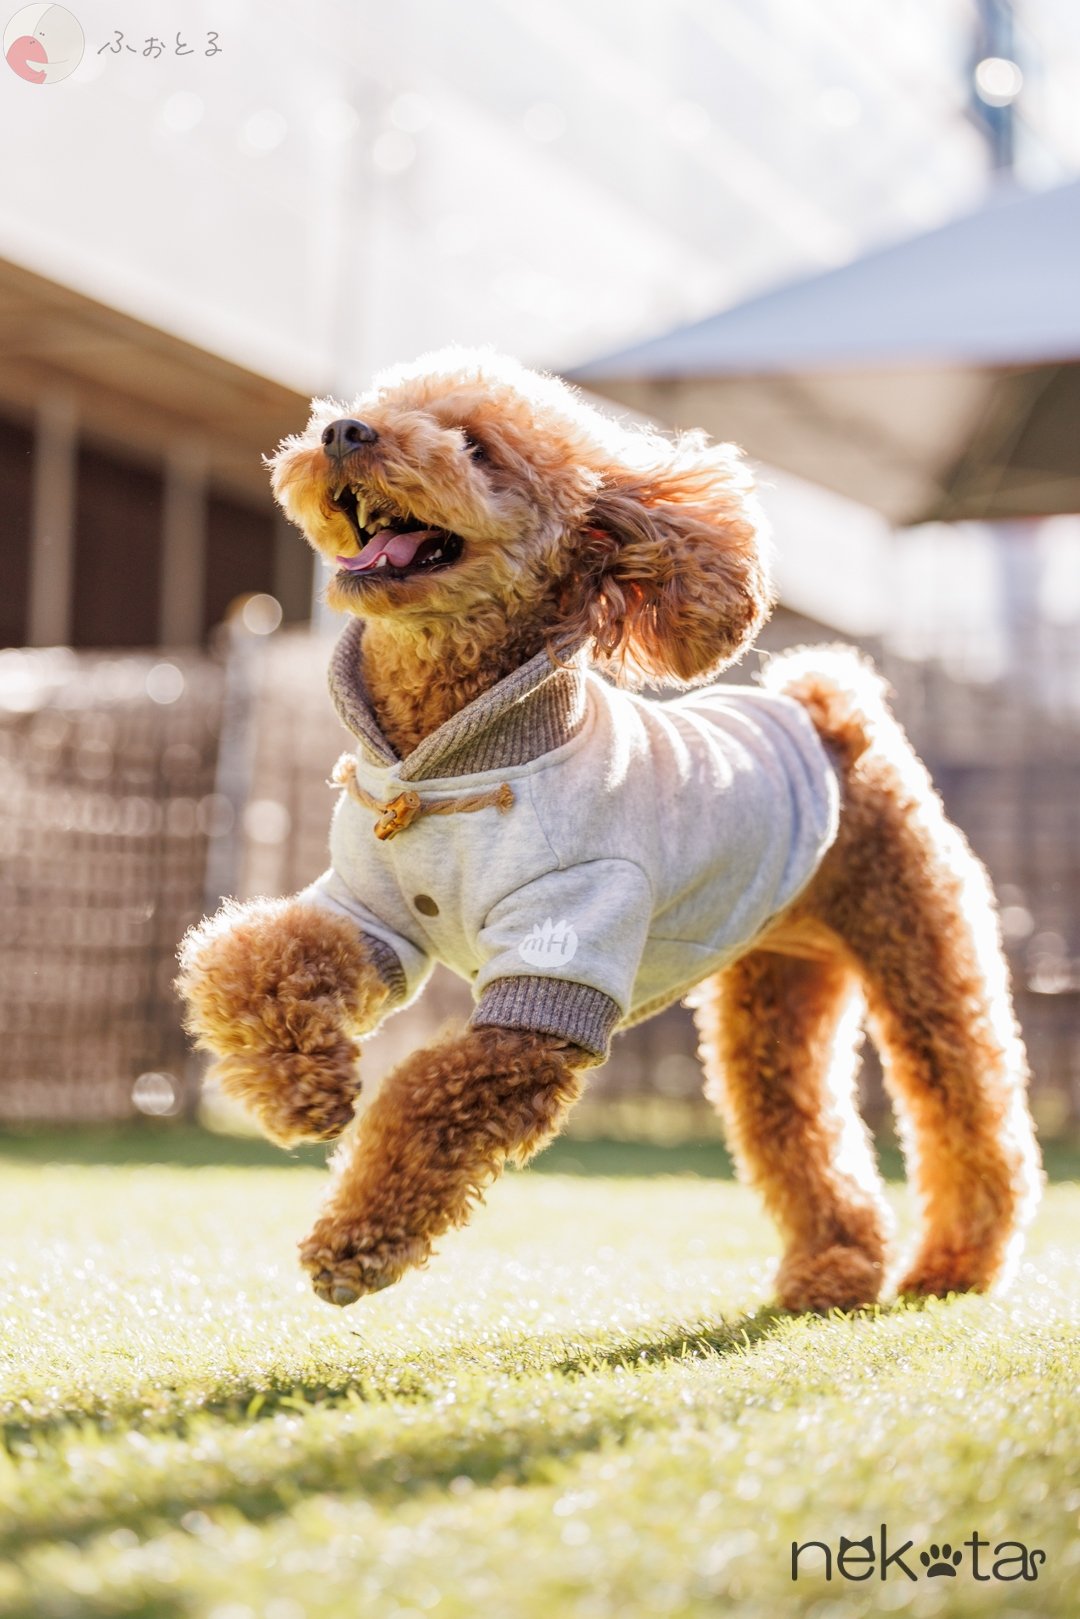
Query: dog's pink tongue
x=398 y=549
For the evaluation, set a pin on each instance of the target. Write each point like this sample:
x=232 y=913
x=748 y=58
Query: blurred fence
x=1009 y=772
x=107 y=804
x=121 y=817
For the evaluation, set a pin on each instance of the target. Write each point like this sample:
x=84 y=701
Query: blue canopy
x=937 y=378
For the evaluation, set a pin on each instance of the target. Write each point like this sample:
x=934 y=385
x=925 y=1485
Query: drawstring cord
x=400 y=812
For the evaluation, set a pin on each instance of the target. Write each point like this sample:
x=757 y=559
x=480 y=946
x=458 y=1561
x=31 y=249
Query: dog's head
x=464 y=492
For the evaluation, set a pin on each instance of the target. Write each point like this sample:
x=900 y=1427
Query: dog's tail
x=844 y=694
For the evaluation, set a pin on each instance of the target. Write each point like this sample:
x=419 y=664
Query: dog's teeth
x=340 y=491
x=361 y=510
x=380 y=562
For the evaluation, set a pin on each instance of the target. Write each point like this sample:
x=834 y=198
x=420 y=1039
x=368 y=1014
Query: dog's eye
x=474 y=447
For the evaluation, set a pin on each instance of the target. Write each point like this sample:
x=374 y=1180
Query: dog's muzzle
x=344 y=436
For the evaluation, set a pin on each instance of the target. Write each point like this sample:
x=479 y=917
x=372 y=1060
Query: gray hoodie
x=581 y=855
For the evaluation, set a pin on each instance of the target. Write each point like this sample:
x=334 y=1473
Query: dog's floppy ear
x=672 y=580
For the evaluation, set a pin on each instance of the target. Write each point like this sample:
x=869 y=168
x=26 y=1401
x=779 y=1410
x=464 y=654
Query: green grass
x=582 y=1409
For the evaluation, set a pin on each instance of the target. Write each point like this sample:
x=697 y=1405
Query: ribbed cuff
x=576 y=1012
x=387 y=965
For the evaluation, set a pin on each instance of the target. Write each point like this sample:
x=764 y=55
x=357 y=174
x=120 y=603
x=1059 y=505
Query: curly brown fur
x=564 y=529
x=438 y=1132
x=779 y=1037
x=573 y=529
x=906 y=904
x=279 y=991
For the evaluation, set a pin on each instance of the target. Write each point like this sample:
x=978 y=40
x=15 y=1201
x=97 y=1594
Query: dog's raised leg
x=779 y=1039
x=279 y=991
x=439 y=1131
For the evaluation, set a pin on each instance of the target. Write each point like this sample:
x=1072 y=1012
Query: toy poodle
x=514 y=565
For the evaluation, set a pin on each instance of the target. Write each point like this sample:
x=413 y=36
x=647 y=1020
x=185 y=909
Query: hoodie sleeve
x=560 y=954
x=403 y=966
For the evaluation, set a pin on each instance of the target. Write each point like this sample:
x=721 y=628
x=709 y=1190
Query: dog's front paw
x=835 y=1278
x=295 y=1095
x=347 y=1261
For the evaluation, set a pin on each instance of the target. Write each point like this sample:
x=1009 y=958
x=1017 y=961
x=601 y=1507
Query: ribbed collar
x=537 y=708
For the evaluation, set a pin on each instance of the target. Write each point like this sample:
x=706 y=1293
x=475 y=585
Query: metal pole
x=994 y=111
x=52 y=556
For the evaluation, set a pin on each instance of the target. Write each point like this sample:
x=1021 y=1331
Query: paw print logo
x=549 y=944
x=940 y=1560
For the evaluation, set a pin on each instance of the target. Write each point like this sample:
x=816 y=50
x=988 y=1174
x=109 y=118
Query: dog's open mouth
x=391 y=543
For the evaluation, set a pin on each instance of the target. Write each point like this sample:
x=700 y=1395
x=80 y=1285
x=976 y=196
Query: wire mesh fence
x=107 y=805
x=1008 y=769
x=136 y=789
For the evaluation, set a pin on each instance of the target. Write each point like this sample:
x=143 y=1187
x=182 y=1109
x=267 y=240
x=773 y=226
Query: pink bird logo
x=43 y=44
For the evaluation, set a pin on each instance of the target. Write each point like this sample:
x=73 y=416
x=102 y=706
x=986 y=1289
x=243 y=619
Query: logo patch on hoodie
x=549 y=944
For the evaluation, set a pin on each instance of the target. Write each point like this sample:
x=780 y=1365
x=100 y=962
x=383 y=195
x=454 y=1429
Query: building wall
x=114 y=593
x=117 y=575
x=16 y=451
x=240 y=557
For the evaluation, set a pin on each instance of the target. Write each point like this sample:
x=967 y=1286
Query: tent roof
x=998 y=287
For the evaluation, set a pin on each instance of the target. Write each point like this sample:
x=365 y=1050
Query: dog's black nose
x=346 y=435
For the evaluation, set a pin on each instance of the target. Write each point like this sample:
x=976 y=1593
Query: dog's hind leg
x=913 y=907
x=915 y=915
x=779 y=1042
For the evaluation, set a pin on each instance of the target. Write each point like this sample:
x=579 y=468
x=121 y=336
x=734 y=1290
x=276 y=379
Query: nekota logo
x=860 y=1559
x=549 y=944
x=43 y=44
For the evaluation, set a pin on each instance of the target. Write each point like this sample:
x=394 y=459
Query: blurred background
x=844 y=235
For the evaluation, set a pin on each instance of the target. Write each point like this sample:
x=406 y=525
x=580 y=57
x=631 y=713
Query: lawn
x=584 y=1408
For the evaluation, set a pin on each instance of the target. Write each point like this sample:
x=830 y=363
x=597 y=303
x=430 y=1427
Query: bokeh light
x=393 y=152
x=261 y=614
x=156 y=1095
x=266 y=821
x=263 y=131
x=998 y=81
x=164 y=683
x=182 y=112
